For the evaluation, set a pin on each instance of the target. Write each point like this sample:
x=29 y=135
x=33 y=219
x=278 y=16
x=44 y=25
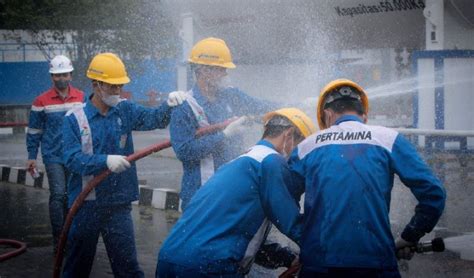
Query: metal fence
x=29 y=52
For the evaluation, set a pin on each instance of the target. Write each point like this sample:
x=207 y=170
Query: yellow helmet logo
x=211 y=52
x=108 y=68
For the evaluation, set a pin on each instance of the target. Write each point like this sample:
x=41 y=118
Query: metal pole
x=436 y=132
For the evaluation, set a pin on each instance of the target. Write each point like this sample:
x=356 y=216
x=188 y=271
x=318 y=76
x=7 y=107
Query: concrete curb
x=160 y=198
x=20 y=175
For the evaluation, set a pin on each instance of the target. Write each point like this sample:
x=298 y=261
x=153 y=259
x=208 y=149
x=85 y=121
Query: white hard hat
x=60 y=64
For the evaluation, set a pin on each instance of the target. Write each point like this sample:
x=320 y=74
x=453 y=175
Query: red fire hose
x=97 y=179
x=20 y=248
x=292 y=271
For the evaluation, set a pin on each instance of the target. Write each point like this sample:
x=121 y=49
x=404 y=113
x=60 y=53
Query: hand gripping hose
x=435 y=245
x=20 y=248
x=97 y=179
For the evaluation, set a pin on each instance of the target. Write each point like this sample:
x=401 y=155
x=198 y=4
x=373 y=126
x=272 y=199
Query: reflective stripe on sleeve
x=37 y=108
x=34 y=131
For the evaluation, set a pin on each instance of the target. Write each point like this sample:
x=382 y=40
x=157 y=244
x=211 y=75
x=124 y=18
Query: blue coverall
x=191 y=150
x=108 y=210
x=227 y=219
x=347 y=173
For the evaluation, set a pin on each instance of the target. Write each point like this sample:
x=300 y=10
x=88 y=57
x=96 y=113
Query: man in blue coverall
x=229 y=218
x=45 y=129
x=209 y=102
x=346 y=171
x=98 y=136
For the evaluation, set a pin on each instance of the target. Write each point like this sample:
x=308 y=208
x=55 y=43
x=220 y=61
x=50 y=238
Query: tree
x=132 y=29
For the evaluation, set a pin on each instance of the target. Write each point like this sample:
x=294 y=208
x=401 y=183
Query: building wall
x=21 y=82
x=458 y=34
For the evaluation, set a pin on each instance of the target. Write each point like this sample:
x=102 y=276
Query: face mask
x=61 y=84
x=223 y=83
x=109 y=100
x=112 y=100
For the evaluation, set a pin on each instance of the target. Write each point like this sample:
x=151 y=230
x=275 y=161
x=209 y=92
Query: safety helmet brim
x=297 y=117
x=61 y=71
x=228 y=65
x=60 y=64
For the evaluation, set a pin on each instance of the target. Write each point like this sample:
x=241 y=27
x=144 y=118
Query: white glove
x=117 y=163
x=404 y=249
x=176 y=98
x=236 y=127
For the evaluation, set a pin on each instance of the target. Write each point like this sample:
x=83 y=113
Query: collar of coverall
x=92 y=110
x=346 y=118
x=266 y=143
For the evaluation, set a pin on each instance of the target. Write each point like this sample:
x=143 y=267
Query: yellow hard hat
x=296 y=117
x=108 y=68
x=329 y=88
x=211 y=52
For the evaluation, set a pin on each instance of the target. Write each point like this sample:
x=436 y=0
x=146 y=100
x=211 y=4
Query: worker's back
x=227 y=213
x=349 y=170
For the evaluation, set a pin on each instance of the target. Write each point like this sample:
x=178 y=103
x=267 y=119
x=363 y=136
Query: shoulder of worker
x=181 y=110
x=43 y=98
x=75 y=109
x=232 y=91
x=349 y=133
x=264 y=152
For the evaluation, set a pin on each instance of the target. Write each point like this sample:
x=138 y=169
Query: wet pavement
x=24 y=216
x=159 y=170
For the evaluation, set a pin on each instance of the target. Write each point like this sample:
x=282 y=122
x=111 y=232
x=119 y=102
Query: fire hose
x=435 y=245
x=20 y=248
x=97 y=179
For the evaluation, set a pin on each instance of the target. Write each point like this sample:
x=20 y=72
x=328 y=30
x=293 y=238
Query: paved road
x=158 y=170
x=24 y=217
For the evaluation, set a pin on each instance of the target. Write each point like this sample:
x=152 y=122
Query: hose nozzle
x=435 y=245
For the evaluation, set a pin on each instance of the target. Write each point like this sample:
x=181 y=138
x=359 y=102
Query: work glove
x=236 y=127
x=404 y=249
x=117 y=163
x=176 y=98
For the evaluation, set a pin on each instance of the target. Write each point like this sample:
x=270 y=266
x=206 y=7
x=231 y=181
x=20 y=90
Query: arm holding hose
x=186 y=145
x=95 y=182
x=428 y=190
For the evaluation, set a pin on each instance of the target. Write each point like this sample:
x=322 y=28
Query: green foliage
x=129 y=28
x=132 y=29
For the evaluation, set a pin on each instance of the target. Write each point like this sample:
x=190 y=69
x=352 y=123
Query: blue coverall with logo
x=192 y=151
x=107 y=209
x=347 y=173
